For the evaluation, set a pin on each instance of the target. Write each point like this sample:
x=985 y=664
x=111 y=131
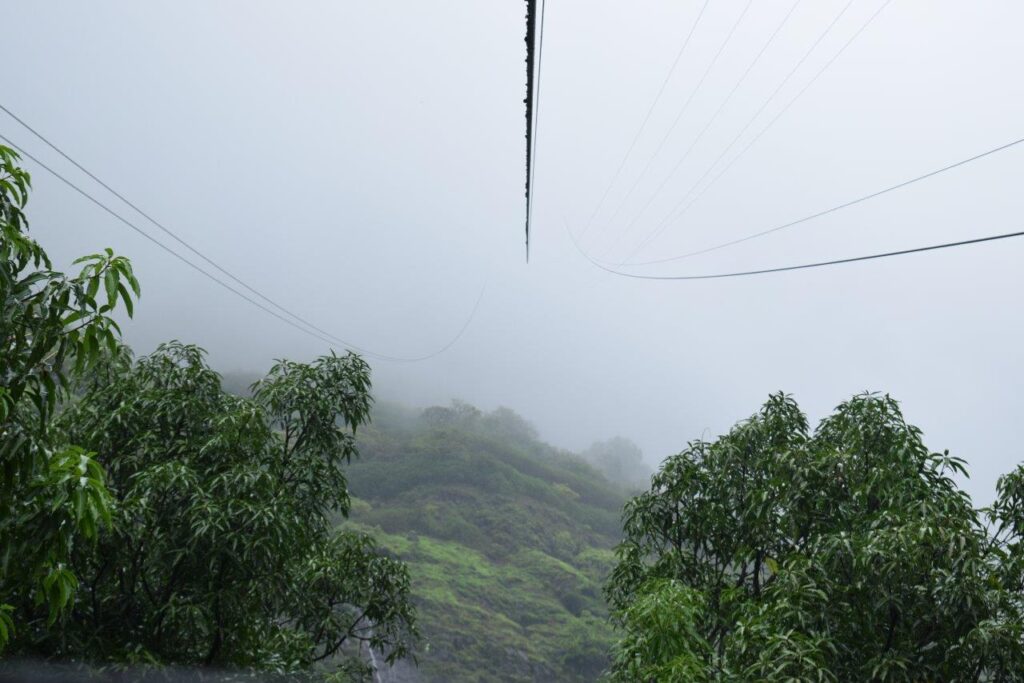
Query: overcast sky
x=362 y=163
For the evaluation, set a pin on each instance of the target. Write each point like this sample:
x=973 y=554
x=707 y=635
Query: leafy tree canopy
x=223 y=551
x=146 y=515
x=52 y=327
x=846 y=553
x=621 y=461
x=501 y=422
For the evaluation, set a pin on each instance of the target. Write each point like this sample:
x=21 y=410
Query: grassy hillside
x=508 y=541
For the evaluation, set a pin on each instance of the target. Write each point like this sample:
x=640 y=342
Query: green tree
x=849 y=553
x=223 y=551
x=505 y=423
x=621 y=461
x=52 y=327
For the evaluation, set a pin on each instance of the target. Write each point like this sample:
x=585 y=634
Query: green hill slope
x=508 y=541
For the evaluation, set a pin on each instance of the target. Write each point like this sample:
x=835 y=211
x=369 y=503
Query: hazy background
x=362 y=162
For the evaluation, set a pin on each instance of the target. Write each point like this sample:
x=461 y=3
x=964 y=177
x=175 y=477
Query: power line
x=761 y=133
x=833 y=209
x=536 y=123
x=714 y=117
x=532 y=104
x=160 y=225
x=802 y=266
x=149 y=237
x=663 y=224
x=304 y=327
x=671 y=129
x=647 y=117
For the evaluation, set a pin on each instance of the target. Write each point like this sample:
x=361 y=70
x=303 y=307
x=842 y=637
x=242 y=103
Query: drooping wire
x=838 y=207
x=534 y=41
x=671 y=129
x=643 y=124
x=802 y=266
x=536 y=121
x=158 y=224
x=663 y=225
x=302 y=325
x=714 y=117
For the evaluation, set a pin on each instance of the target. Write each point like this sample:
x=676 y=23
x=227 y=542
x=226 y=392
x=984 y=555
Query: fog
x=362 y=164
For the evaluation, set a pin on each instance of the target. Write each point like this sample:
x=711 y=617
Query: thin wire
x=165 y=229
x=714 y=117
x=536 y=127
x=662 y=225
x=668 y=134
x=647 y=118
x=149 y=237
x=315 y=332
x=531 y=31
x=758 y=136
x=833 y=209
x=802 y=266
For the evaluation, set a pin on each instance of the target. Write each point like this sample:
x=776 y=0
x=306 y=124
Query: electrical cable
x=647 y=117
x=802 y=266
x=668 y=134
x=535 y=128
x=156 y=223
x=312 y=330
x=833 y=209
x=665 y=222
x=711 y=121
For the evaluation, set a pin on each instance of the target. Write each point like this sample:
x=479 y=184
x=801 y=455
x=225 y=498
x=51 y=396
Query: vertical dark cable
x=312 y=330
x=536 y=123
x=531 y=30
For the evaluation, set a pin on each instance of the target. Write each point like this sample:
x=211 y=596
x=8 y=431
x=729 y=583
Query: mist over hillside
x=334 y=348
x=508 y=540
x=618 y=458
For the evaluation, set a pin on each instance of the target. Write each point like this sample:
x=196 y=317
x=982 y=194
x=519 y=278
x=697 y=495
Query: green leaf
x=110 y=281
x=129 y=306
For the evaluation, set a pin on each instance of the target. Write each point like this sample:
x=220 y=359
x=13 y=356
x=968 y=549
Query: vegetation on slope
x=148 y=516
x=508 y=542
x=52 y=329
x=846 y=553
